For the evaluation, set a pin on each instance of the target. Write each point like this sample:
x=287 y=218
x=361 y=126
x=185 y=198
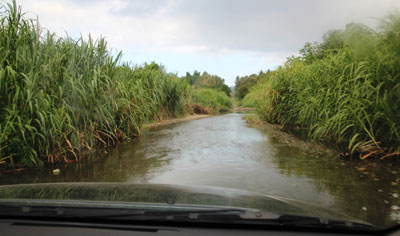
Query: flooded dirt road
x=224 y=151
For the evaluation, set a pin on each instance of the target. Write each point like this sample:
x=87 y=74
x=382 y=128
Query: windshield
x=286 y=107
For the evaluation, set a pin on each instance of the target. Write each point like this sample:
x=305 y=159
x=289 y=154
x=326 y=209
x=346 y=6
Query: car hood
x=165 y=194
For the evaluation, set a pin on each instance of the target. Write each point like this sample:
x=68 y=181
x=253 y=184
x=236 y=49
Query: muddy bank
x=244 y=109
x=359 y=153
x=281 y=133
x=173 y=121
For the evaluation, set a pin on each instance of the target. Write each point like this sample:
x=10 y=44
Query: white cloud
x=267 y=31
x=195 y=26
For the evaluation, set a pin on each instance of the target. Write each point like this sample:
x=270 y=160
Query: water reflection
x=364 y=189
x=134 y=161
x=224 y=151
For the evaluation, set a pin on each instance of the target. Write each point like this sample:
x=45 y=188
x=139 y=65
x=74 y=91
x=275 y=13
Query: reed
x=59 y=96
x=346 y=90
x=213 y=100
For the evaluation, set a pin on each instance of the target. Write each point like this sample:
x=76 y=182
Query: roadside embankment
x=173 y=121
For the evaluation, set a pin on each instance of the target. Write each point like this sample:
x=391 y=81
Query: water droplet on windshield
x=364 y=208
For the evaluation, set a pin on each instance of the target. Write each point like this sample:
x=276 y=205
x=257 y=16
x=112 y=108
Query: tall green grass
x=347 y=90
x=249 y=100
x=244 y=84
x=59 y=96
x=213 y=100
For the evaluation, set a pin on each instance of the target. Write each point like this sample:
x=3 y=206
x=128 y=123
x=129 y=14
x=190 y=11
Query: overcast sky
x=223 y=37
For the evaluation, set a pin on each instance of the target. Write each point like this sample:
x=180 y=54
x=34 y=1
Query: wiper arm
x=138 y=213
x=171 y=214
x=106 y=212
x=185 y=213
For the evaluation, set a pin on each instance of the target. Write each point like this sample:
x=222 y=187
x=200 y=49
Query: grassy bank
x=60 y=95
x=345 y=89
x=213 y=100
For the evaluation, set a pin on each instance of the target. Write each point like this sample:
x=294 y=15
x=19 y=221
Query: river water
x=224 y=151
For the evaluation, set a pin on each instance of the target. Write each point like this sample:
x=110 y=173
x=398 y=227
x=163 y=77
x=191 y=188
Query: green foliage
x=59 y=96
x=346 y=89
x=243 y=84
x=249 y=100
x=217 y=101
x=356 y=37
x=206 y=80
x=158 y=94
x=210 y=92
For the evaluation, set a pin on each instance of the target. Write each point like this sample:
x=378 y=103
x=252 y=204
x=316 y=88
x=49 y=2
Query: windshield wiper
x=185 y=214
x=315 y=222
x=158 y=213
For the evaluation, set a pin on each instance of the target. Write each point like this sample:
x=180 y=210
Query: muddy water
x=224 y=151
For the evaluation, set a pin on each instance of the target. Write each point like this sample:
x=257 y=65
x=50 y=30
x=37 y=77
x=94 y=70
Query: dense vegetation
x=212 y=99
x=211 y=92
x=206 y=80
x=59 y=96
x=345 y=89
x=243 y=86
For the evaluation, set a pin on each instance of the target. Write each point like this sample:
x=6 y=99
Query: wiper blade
x=182 y=213
x=315 y=222
x=171 y=214
x=144 y=212
x=117 y=212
